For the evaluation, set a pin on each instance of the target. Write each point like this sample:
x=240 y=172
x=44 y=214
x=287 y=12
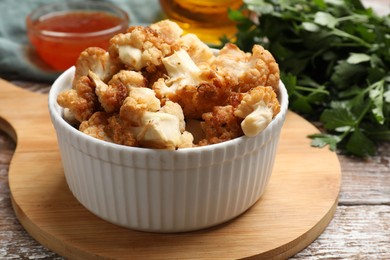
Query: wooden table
x=360 y=228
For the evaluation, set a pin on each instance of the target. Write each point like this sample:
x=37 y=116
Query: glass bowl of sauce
x=61 y=31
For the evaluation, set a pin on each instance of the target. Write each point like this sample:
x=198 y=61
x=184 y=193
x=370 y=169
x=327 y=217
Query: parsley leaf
x=359 y=144
x=337 y=118
x=334 y=59
x=321 y=140
x=376 y=95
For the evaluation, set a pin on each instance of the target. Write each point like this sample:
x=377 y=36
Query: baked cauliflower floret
x=220 y=125
x=95 y=126
x=162 y=130
x=197 y=91
x=257 y=109
x=176 y=110
x=171 y=31
x=98 y=61
x=120 y=131
x=81 y=101
x=244 y=71
x=141 y=47
x=137 y=103
x=186 y=138
x=199 y=52
x=110 y=97
x=129 y=79
x=154 y=127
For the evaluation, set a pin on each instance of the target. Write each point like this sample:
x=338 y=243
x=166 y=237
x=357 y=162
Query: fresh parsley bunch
x=334 y=57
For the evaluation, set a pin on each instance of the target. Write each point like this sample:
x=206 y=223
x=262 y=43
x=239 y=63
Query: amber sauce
x=62 y=52
x=208 y=19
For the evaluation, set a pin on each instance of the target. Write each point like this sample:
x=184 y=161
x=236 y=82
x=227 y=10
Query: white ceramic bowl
x=162 y=190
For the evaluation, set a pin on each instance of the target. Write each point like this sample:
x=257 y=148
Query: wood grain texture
x=44 y=204
x=368 y=180
x=356 y=232
x=15 y=242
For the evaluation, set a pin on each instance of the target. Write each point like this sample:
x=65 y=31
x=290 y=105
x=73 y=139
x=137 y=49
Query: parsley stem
x=364 y=112
x=354 y=17
x=317 y=90
x=341 y=33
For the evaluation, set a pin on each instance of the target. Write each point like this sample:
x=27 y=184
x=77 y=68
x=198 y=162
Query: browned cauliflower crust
x=110 y=96
x=199 y=52
x=81 y=100
x=257 y=108
x=158 y=88
x=140 y=48
x=95 y=126
x=152 y=125
x=196 y=90
x=98 y=61
x=244 y=71
x=249 y=114
x=129 y=79
x=220 y=125
x=170 y=31
x=120 y=131
x=137 y=103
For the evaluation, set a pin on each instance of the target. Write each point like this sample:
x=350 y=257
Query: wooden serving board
x=298 y=204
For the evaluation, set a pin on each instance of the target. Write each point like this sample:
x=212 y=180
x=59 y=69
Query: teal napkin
x=17 y=57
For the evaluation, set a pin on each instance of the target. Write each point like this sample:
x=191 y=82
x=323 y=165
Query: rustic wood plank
x=366 y=181
x=16 y=243
x=356 y=232
x=360 y=228
x=33 y=86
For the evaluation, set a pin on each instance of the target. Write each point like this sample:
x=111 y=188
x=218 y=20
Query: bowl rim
x=64 y=7
x=68 y=75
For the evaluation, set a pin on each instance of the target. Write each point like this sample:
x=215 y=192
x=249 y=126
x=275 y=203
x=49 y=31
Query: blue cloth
x=17 y=57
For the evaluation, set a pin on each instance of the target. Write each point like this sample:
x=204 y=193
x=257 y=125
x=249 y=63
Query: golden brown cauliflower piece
x=139 y=101
x=110 y=96
x=80 y=100
x=129 y=79
x=120 y=131
x=98 y=61
x=172 y=108
x=154 y=127
x=169 y=30
x=95 y=126
x=139 y=48
x=257 y=109
x=197 y=91
x=244 y=71
x=199 y=52
x=162 y=130
x=220 y=125
x=176 y=110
